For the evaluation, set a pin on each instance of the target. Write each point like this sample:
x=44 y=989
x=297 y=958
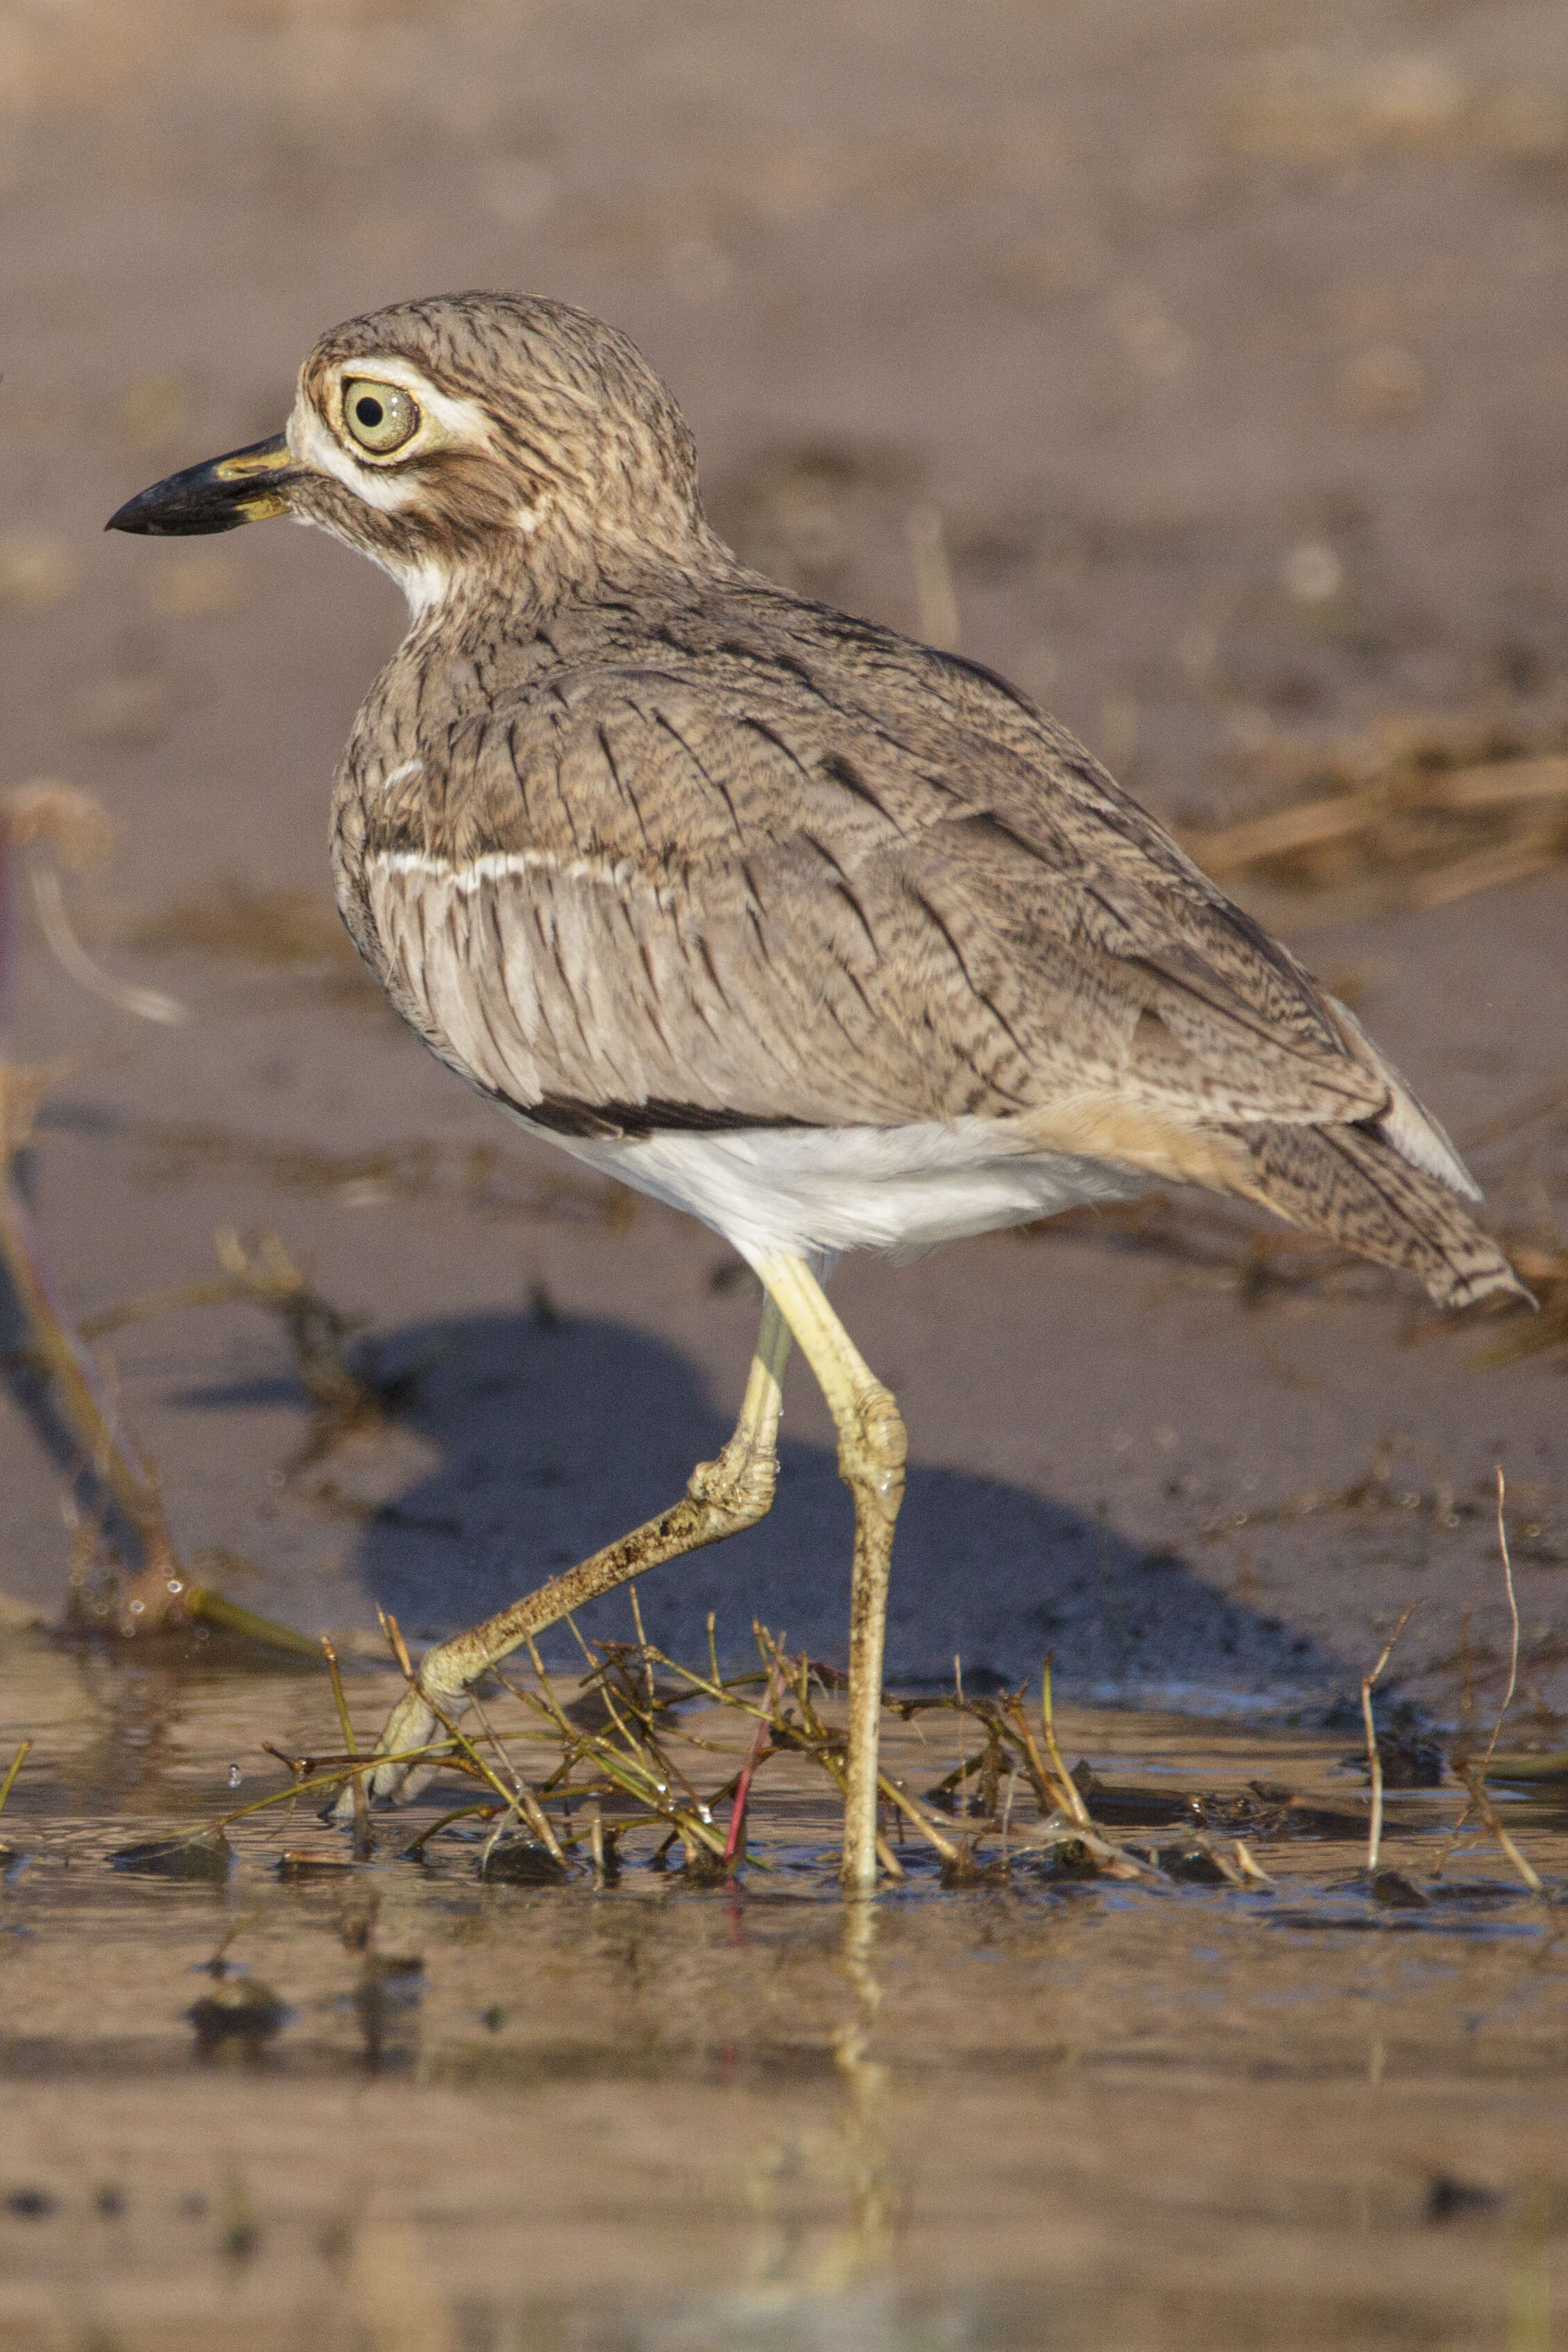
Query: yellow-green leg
x=721 y=1498
x=872 y=1448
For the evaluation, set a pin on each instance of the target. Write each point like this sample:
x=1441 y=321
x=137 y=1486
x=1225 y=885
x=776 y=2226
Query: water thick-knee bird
x=833 y=940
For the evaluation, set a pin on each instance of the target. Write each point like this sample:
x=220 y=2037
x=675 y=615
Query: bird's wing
x=806 y=873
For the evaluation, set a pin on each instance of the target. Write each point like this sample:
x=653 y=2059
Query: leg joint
x=874 y=1447
x=739 y=1486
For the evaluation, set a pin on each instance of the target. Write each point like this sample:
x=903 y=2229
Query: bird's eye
x=381 y=417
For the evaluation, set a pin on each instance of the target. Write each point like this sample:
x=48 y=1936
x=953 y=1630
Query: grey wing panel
x=728 y=892
x=538 y=980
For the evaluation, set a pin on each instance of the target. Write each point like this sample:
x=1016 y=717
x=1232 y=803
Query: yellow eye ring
x=380 y=416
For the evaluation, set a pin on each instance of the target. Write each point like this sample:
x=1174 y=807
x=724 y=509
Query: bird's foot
x=441 y=1682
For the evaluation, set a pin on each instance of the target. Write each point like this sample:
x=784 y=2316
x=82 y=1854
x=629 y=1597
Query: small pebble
x=30 y=2204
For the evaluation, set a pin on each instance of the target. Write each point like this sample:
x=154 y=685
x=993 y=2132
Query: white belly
x=816 y=1192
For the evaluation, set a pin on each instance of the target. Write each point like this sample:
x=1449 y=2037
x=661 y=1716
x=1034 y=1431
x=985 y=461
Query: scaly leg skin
x=872 y=1449
x=721 y=1498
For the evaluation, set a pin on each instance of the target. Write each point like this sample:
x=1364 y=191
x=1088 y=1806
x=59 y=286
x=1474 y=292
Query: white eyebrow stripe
x=465 y=418
x=619 y=875
x=461 y=423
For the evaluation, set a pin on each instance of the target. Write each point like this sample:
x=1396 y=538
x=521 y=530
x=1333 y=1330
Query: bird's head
x=490 y=439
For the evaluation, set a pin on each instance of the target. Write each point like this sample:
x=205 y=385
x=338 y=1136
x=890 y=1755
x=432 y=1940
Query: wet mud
x=252 y=2088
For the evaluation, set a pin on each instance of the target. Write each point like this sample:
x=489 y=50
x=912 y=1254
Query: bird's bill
x=246 y=486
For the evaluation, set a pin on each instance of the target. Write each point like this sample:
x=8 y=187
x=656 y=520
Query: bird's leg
x=872 y=1447
x=721 y=1498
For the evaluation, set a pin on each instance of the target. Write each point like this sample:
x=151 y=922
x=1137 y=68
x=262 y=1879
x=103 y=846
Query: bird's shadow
x=553 y=1436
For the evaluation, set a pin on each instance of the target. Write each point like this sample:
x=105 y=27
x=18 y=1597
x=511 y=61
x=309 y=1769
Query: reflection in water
x=848 y=2162
x=657 y=2118
x=389 y=1988
x=867 y=2243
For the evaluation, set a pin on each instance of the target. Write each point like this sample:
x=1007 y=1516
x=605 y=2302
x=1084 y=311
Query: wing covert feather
x=796 y=877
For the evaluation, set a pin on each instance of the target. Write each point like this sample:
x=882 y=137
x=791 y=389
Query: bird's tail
x=1350 y=1184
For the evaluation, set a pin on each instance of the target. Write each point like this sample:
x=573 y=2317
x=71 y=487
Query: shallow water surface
x=391 y=2105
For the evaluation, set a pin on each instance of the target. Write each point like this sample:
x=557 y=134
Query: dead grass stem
x=1513 y=1623
x=363 y=1842
x=1424 y=810
x=1474 y=1775
x=616 y=1741
x=1374 y=1757
x=9 y=1782
x=162 y=1594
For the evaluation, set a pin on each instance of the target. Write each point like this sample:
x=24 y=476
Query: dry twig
x=1427 y=811
x=1373 y=1759
x=9 y=1782
x=162 y=1594
x=1513 y=1622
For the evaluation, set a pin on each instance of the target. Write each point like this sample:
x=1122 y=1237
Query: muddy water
x=392 y=2106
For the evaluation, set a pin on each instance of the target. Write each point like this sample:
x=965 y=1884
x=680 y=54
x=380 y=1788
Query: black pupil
x=370 y=412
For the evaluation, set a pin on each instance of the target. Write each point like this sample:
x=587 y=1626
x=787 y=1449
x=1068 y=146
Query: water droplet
x=235 y=1776
x=174 y=1585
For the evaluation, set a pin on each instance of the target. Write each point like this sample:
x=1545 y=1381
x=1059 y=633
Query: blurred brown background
x=1203 y=366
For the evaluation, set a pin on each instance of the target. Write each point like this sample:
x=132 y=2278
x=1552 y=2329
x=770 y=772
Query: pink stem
x=736 y=1838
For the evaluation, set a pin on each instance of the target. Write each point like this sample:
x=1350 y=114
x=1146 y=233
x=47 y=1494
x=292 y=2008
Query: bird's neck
x=515 y=592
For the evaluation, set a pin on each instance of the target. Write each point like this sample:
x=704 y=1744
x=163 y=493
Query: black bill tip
x=245 y=487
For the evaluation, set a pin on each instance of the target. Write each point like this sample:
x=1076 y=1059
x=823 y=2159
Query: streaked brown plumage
x=828 y=936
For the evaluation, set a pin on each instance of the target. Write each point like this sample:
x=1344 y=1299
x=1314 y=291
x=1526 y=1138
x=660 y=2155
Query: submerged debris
x=240 y=2014
x=207 y=1856
x=294 y=1868
x=1392 y=1886
x=523 y=1861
